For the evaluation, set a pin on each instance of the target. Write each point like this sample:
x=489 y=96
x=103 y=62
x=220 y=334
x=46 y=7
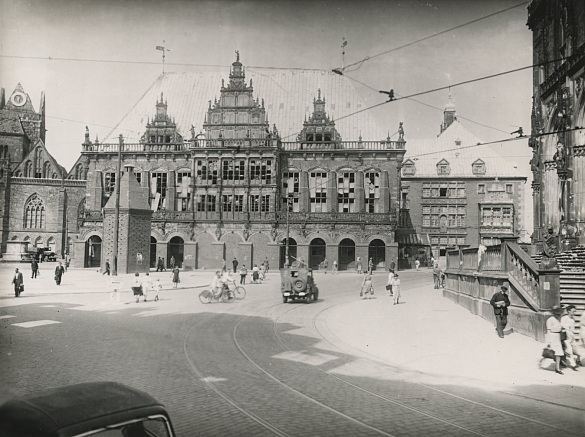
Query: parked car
x=298 y=283
x=101 y=409
x=46 y=254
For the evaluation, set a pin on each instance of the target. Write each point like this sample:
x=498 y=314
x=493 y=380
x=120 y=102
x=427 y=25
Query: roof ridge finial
x=319 y=93
x=237 y=56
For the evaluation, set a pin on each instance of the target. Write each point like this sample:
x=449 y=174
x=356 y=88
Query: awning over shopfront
x=414 y=240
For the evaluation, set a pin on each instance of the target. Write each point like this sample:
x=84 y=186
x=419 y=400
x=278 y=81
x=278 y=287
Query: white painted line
x=6 y=317
x=35 y=323
x=48 y=306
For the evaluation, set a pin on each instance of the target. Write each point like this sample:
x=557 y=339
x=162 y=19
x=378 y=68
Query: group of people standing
x=257 y=274
x=393 y=286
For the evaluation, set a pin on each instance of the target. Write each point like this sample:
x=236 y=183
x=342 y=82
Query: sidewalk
x=436 y=341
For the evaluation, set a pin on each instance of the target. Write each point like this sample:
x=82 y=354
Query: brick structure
x=133 y=229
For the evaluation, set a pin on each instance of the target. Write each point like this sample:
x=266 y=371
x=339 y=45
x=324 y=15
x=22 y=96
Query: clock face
x=18 y=98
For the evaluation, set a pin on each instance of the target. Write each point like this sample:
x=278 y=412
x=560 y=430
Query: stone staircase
x=572 y=260
x=572 y=290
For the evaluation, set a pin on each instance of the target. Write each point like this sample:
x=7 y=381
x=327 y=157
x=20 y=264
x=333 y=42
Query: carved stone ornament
x=273 y=234
x=218 y=231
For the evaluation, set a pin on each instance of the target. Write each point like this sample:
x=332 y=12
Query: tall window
x=47 y=170
x=79 y=172
x=259 y=203
x=206 y=203
x=28 y=170
x=39 y=163
x=261 y=171
x=291 y=189
x=346 y=192
x=318 y=191
x=109 y=182
x=444 y=189
x=158 y=189
x=34 y=213
x=372 y=191
x=455 y=215
x=232 y=170
x=207 y=171
x=232 y=203
x=183 y=190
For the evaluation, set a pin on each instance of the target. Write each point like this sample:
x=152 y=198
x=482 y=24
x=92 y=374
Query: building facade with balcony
x=252 y=173
x=456 y=193
x=558 y=118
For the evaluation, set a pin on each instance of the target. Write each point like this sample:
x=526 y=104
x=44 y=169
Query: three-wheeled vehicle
x=101 y=409
x=298 y=283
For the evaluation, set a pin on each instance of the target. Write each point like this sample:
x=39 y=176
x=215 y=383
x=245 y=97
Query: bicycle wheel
x=205 y=296
x=240 y=292
x=228 y=296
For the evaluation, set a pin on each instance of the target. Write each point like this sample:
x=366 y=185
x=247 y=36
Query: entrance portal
x=346 y=254
x=317 y=250
x=292 y=251
x=93 y=252
x=176 y=249
x=152 y=252
x=377 y=251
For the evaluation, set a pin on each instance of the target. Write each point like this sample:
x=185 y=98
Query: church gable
x=39 y=164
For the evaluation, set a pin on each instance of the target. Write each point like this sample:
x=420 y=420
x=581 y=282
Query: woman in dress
x=367 y=287
x=175 y=276
x=553 y=336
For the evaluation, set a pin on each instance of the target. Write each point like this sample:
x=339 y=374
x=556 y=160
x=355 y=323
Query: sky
x=95 y=59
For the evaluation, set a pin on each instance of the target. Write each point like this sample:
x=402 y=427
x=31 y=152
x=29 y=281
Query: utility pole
x=286 y=258
x=117 y=212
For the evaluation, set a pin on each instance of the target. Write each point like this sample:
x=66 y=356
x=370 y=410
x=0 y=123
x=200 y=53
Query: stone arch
x=377 y=252
x=157 y=234
x=39 y=242
x=93 y=250
x=46 y=170
x=28 y=169
x=317 y=252
x=15 y=238
x=346 y=253
x=176 y=249
x=231 y=242
x=259 y=253
x=292 y=251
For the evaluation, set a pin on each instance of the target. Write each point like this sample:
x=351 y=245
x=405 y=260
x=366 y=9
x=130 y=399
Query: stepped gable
x=459 y=148
x=287 y=96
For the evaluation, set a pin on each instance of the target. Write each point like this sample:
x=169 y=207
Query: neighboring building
x=224 y=192
x=558 y=118
x=455 y=194
x=38 y=204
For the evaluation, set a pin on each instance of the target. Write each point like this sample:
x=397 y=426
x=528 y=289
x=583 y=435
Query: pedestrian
x=107 y=269
x=266 y=264
x=18 y=282
x=255 y=274
x=437 y=276
x=137 y=288
x=146 y=285
x=243 y=274
x=334 y=268
x=262 y=272
x=34 y=265
x=172 y=262
x=553 y=336
x=500 y=301
x=160 y=264
x=367 y=288
x=370 y=266
x=568 y=324
x=417 y=263
x=325 y=265
x=396 y=289
x=175 y=276
x=59 y=271
x=390 y=283
x=432 y=264
x=223 y=266
x=157 y=288
x=235 y=264
x=392 y=265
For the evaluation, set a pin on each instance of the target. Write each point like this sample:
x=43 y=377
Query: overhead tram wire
x=368 y=58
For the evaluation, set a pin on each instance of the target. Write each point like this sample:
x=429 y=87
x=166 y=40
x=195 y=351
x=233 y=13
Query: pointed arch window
x=47 y=170
x=28 y=170
x=34 y=213
x=38 y=163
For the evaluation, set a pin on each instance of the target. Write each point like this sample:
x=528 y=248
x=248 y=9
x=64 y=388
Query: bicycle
x=206 y=296
x=238 y=290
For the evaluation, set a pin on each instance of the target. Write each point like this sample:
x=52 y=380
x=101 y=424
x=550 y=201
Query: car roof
x=74 y=409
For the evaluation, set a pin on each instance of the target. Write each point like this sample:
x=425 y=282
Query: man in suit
x=34 y=265
x=18 y=281
x=501 y=302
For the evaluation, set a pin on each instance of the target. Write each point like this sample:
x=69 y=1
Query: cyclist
x=219 y=283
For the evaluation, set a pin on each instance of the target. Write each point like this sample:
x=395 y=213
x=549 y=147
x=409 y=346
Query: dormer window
x=408 y=168
x=478 y=167
x=443 y=167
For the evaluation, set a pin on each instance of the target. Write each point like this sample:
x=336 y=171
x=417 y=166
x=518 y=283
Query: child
x=157 y=288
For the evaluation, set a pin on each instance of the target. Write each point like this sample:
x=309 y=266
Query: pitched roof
x=61 y=171
x=10 y=123
x=460 y=149
x=288 y=97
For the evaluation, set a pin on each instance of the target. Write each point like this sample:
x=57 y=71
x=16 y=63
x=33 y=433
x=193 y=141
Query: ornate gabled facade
x=235 y=188
x=558 y=117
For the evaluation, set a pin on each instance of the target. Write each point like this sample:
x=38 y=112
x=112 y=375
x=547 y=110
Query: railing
x=343 y=145
x=235 y=143
x=491 y=259
x=525 y=272
x=470 y=259
x=453 y=259
x=136 y=147
x=334 y=217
